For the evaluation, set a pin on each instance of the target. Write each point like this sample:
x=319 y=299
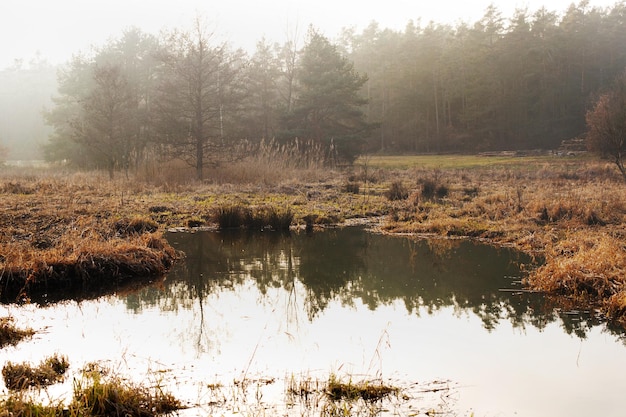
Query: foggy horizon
x=57 y=31
x=32 y=54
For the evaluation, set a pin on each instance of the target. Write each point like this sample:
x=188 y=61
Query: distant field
x=462 y=161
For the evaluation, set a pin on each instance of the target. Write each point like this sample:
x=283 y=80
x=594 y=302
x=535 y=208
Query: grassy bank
x=569 y=212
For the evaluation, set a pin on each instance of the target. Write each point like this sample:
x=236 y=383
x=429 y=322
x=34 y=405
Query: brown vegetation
x=116 y=397
x=570 y=213
x=74 y=231
x=11 y=335
x=96 y=394
x=21 y=376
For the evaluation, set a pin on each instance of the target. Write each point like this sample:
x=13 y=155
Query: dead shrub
x=432 y=188
x=471 y=192
x=441 y=191
x=352 y=187
x=592 y=219
x=428 y=189
x=397 y=191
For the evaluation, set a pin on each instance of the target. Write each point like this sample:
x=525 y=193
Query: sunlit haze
x=55 y=30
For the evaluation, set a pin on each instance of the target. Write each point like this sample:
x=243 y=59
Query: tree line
x=498 y=84
x=185 y=96
x=517 y=83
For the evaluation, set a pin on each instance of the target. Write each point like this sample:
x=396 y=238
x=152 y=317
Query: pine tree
x=328 y=106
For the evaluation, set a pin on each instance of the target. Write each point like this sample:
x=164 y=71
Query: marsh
x=271 y=308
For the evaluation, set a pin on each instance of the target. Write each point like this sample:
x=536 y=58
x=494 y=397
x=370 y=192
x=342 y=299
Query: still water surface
x=273 y=308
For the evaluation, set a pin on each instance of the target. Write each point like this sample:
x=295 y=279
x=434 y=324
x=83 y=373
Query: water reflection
x=268 y=306
x=350 y=264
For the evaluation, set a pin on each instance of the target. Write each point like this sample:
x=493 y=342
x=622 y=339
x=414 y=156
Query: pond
x=246 y=317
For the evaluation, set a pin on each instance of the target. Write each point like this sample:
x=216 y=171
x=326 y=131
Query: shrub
x=441 y=191
x=471 y=191
x=352 y=187
x=428 y=189
x=397 y=191
x=432 y=189
x=195 y=222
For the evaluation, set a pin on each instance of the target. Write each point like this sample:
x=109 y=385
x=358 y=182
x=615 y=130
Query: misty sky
x=58 y=28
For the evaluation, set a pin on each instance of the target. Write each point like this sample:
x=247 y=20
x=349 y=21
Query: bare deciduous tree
x=606 y=124
x=196 y=91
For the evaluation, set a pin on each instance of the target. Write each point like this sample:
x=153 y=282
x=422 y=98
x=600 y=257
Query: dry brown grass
x=571 y=216
x=589 y=269
x=569 y=213
x=98 y=393
x=75 y=230
x=113 y=396
x=20 y=376
x=10 y=334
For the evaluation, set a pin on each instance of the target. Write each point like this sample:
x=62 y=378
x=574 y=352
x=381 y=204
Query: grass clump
x=397 y=191
x=365 y=390
x=432 y=189
x=352 y=187
x=588 y=270
x=11 y=335
x=116 y=397
x=229 y=217
x=89 y=264
x=19 y=406
x=258 y=218
x=94 y=395
x=136 y=226
x=336 y=390
x=333 y=397
x=22 y=376
x=279 y=220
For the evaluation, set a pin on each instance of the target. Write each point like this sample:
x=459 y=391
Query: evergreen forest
x=501 y=83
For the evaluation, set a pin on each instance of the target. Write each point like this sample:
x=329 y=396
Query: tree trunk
x=620 y=165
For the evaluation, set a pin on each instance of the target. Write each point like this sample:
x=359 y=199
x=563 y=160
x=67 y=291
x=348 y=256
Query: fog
x=37 y=36
x=57 y=29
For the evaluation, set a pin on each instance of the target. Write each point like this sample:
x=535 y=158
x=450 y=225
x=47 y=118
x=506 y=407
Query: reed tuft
x=11 y=335
x=117 y=397
x=22 y=376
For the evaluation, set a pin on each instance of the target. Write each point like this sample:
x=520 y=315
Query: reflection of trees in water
x=349 y=264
